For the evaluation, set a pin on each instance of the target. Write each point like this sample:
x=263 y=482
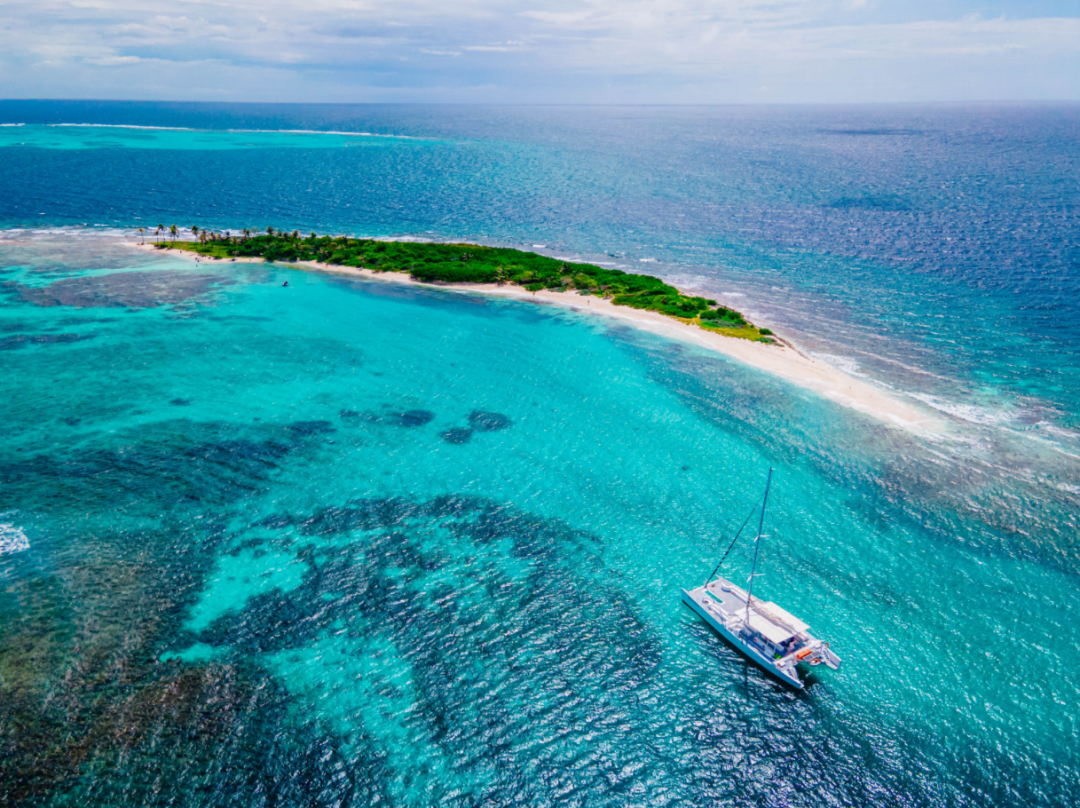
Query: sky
x=542 y=51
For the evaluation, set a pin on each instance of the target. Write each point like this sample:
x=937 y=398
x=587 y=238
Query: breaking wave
x=228 y=131
x=12 y=539
x=124 y=126
x=844 y=363
x=965 y=412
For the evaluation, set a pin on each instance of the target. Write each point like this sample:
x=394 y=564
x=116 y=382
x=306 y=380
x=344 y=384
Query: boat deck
x=774 y=638
x=729 y=597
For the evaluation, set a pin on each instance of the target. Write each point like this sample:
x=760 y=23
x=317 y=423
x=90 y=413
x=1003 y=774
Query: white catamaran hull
x=740 y=645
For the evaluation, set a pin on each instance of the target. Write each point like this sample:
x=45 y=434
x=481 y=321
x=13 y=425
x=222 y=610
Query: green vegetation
x=472 y=263
x=723 y=317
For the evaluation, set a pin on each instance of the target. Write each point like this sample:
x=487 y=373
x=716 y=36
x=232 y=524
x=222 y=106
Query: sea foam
x=965 y=412
x=124 y=126
x=12 y=539
x=231 y=131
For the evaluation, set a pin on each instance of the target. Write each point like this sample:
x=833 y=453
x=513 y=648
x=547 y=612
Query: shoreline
x=782 y=359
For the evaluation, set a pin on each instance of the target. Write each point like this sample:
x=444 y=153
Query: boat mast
x=757 y=544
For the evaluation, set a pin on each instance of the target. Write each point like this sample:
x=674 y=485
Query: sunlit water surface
x=348 y=543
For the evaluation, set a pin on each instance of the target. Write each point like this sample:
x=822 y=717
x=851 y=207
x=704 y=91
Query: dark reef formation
x=22 y=340
x=407 y=419
x=488 y=421
x=411 y=418
x=463 y=588
x=457 y=435
x=125 y=290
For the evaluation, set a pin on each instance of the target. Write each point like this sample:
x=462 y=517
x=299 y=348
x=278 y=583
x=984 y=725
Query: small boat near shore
x=762 y=631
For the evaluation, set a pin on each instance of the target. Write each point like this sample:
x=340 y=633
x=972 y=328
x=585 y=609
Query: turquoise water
x=97 y=136
x=945 y=235
x=250 y=574
x=346 y=542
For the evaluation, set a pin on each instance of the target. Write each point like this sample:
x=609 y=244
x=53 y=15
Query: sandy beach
x=783 y=361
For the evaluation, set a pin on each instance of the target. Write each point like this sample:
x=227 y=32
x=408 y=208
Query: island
x=641 y=301
x=441 y=263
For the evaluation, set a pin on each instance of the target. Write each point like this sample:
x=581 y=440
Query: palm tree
x=142 y=234
x=157 y=232
x=195 y=231
x=173 y=231
x=269 y=231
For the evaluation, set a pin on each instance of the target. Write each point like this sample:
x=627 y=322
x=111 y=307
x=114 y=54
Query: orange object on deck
x=803 y=654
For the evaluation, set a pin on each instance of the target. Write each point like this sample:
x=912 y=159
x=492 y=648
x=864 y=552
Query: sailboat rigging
x=766 y=634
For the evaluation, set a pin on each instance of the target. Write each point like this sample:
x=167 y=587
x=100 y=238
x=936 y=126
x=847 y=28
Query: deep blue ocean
x=350 y=543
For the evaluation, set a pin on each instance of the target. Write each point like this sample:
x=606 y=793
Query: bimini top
x=785 y=617
x=770 y=630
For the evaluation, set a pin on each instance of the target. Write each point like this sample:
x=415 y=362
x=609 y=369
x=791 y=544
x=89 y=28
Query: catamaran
x=776 y=640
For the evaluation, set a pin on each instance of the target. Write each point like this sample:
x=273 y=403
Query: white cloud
x=493 y=48
x=111 y=61
x=620 y=50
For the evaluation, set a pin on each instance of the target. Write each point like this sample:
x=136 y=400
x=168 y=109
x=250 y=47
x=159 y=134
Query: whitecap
x=1050 y=444
x=126 y=126
x=230 y=131
x=904 y=365
x=965 y=412
x=845 y=363
x=12 y=539
x=12 y=124
x=404 y=239
x=1057 y=430
x=320 y=132
x=85 y=231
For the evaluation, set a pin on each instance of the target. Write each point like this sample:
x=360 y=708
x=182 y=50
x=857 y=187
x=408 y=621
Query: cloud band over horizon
x=594 y=51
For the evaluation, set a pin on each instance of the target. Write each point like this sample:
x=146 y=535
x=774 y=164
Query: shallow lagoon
x=251 y=571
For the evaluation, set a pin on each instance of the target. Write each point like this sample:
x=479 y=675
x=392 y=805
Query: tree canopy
x=473 y=263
